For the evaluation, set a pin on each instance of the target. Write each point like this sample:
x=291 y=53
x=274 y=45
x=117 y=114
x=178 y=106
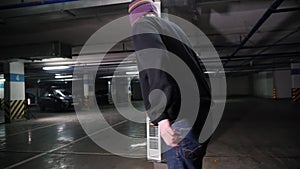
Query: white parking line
x=37 y=128
x=50 y=151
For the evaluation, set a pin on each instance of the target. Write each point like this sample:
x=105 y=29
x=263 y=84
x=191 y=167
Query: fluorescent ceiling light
x=53 y=59
x=73 y=79
x=210 y=72
x=56 y=68
x=115 y=76
x=2 y=80
x=106 y=77
x=60 y=63
x=132 y=67
x=132 y=73
x=214 y=72
x=63 y=76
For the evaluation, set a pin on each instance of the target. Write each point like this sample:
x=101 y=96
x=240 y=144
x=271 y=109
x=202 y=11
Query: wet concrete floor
x=253 y=134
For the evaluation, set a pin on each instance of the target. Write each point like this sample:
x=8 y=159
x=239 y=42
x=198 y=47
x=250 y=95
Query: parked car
x=58 y=99
x=101 y=97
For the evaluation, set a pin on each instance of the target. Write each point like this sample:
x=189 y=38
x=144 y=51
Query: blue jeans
x=190 y=153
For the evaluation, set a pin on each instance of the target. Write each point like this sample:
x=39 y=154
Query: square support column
x=295 y=72
x=14 y=91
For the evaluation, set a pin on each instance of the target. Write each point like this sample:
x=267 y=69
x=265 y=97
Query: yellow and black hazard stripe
x=6 y=110
x=1 y=103
x=295 y=94
x=14 y=109
x=274 y=93
x=17 y=109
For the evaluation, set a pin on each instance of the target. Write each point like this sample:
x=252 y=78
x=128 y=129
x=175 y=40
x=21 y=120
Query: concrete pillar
x=157 y=4
x=88 y=86
x=14 y=91
x=120 y=90
x=109 y=93
x=295 y=72
x=129 y=88
x=91 y=82
x=263 y=84
x=86 y=90
x=1 y=98
x=1 y=89
x=282 y=84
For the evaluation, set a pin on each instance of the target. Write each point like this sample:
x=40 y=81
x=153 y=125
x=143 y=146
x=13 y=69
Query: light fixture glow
x=132 y=73
x=28 y=101
x=63 y=76
x=60 y=63
x=214 y=72
x=53 y=59
x=56 y=68
x=2 y=80
x=210 y=72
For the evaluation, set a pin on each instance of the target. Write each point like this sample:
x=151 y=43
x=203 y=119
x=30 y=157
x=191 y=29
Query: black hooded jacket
x=151 y=32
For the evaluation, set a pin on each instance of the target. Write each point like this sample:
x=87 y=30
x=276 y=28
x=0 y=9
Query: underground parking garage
x=72 y=90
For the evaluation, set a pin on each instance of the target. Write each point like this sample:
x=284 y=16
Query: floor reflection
x=2 y=119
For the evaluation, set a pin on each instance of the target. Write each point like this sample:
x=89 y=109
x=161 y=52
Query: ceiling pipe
x=262 y=58
x=263 y=65
x=268 y=55
x=31 y=4
x=247 y=71
x=261 y=21
x=256 y=46
x=287 y=10
x=109 y=52
x=271 y=45
x=274 y=44
x=57 y=7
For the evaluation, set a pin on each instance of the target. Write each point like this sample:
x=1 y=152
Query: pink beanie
x=138 y=8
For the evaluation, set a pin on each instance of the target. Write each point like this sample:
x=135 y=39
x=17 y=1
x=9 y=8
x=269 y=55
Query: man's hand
x=170 y=137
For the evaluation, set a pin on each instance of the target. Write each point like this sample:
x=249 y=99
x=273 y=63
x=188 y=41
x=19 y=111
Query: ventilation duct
x=36 y=51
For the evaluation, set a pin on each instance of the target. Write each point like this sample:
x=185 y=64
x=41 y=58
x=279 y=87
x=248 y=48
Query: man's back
x=174 y=40
x=154 y=32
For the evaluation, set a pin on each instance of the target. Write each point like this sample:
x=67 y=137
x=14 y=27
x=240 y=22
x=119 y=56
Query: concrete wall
x=295 y=75
x=1 y=86
x=283 y=83
x=1 y=89
x=262 y=84
x=238 y=86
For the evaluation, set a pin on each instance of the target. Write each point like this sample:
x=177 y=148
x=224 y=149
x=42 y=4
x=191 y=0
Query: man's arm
x=147 y=37
x=152 y=79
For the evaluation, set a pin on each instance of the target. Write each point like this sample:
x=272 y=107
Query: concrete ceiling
x=225 y=22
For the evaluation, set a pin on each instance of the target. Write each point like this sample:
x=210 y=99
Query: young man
x=152 y=32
